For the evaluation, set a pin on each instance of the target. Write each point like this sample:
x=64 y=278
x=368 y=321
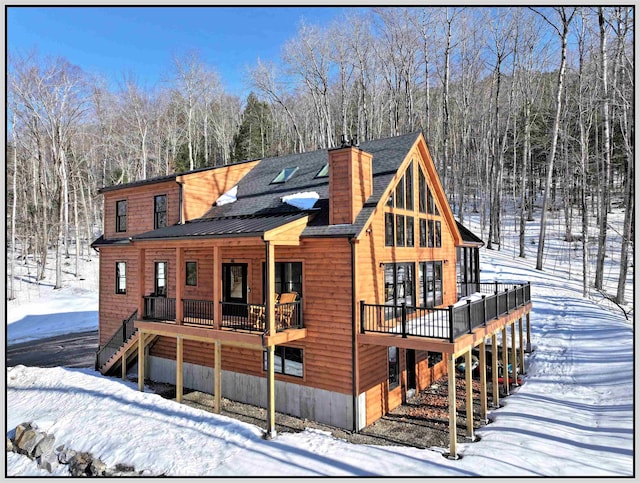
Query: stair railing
x=117 y=340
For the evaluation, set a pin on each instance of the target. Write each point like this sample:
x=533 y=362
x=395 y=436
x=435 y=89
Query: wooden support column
x=217 y=377
x=468 y=372
x=521 y=326
x=217 y=287
x=123 y=363
x=141 y=268
x=141 y=360
x=180 y=276
x=271 y=413
x=271 y=283
x=483 y=381
x=179 y=367
x=453 y=437
x=528 y=332
x=505 y=361
x=494 y=370
x=514 y=353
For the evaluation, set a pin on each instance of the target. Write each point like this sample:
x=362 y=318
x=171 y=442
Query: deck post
x=469 y=388
x=483 y=381
x=453 y=437
x=141 y=360
x=217 y=284
x=123 y=363
x=179 y=367
x=520 y=325
x=494 y=371
x=505 y=361
x=514 y=353
x=528 y=333
x=179 y=284
x=271 y=413
x=217 y=377
x=141 y=260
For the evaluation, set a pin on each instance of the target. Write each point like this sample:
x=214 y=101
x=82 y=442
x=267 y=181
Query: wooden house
x=326 y=285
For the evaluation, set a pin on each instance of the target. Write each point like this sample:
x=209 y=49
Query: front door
x=234 y=288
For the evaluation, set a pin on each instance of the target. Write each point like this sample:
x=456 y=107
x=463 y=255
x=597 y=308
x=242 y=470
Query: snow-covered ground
x=573 y=416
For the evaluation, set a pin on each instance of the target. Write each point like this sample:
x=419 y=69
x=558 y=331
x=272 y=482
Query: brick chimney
x=350 y=181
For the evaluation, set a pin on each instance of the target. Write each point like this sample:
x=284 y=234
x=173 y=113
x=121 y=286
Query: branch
x=613 y=300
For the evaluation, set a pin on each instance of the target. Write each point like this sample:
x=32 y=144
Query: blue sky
x=143 y=40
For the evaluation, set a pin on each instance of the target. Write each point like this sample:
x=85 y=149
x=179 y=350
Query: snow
x=303 y=200
x=230 y=196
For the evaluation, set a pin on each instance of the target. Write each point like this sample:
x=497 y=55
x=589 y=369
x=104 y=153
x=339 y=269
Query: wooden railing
x=445 y=323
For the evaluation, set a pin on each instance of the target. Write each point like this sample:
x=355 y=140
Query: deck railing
x=159 y=308
x=445 y=323
x=198 y=312
x=117 y=340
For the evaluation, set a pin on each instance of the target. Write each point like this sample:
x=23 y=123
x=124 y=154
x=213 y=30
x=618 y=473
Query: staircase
x=122 y=349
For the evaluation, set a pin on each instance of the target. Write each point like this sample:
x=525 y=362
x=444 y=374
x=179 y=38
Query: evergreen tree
x=254 y=135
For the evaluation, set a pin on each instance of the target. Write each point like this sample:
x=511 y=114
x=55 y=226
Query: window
x=433 y=358
x=422 y=192
x=394 y=367
x=160 y=211
x=121 y=277
x=324 y=172
x=288 y=277
x=284 y=175
x=409 y=187
x=399 y=230
x=400 y=194
x=398 y=284
x=430 y=284
x=431 y=240
x=423 y=232
x=438 y=240
x=121 y=215
x=287 y=360
x=192 y=273
x=389 y=236
x=390 y=200
x=161 y=279
x=410 y=231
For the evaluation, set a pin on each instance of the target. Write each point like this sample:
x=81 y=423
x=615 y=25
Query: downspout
x=180 y=212
x=352 y=242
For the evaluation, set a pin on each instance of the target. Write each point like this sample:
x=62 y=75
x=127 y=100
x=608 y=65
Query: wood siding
x=140 y=208
x=350 y=183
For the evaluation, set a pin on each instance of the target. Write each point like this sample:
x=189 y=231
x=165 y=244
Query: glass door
x=234 y=288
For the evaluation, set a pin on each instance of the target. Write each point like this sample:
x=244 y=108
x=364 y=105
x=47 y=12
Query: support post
x=514 y=353
x=494 y=371
x=217 y=377
x=521 y=347
x=123 y=363
x=271 y=413
x=528 y=333
x=179 y=367
x=180 y=276
x=217 y=287
x=271 y=283
x=453 y=437
x=141 y=360
x=483 y=381
x=469 y=389
x=141 y=268
x=505 y=361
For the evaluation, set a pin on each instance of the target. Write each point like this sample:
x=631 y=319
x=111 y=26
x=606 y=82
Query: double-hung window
x=161 y=279
x=121 y=278
x=121 y=216
x=159 y=211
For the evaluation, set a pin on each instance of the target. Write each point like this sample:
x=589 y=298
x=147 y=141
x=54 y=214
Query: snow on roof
x=229 y=197
x=303 y=200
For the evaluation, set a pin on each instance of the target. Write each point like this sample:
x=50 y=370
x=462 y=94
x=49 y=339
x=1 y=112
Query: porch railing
x=117 y=340
x=444 y=323
x=159 y=308
x=199 y=312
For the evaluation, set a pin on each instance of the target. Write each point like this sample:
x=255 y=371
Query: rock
x=28 y=442
x=48 y=461
x=44 y=446
x=79 y=464
x=20 y=429
x=10 y=446
x=97 y=468
x=65 y=455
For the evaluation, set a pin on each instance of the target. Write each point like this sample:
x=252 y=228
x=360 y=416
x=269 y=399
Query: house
x=195 y=269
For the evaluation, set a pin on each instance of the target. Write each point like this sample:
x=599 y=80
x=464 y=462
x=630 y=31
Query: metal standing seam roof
x=468 y=237
x=221 y=227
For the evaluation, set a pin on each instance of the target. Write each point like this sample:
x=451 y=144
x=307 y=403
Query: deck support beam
x=179 y=367
x=217 y=284
x=453 y=437
x=180 y=276
x=528 y=333
x=494 y=371
x=217 y=376
x=514 y=353
x=271 y=413
x=521 y=326
x=505 y=361
x=141 y=260
x=483 y=382
x=141 y=360
x=468 y=372
x=123 y=364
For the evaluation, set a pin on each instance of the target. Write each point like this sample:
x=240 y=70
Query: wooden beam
x=287 y=232
x=410 y=342
x=505 y=361
x=469 y=389
x=285 y=336
x=123 y=363
x=528 y=332
x=217 y=377
x=521 y=325
x=141 y=336
x=141 y=261
x=243 y=241
x=227 y=337
x=494 y=371
x=453 y=437
x=271 y=403
x=514 y=353
x=217 y=287
x=180 y=276
x=179 y=368
x=271 y=283
x=483 y=382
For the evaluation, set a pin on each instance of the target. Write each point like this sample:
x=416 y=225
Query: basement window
x=284 y=175
x=324 y=172
x=287 y=360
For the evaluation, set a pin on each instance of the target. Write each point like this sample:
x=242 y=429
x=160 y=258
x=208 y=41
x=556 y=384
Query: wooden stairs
x=126 y=354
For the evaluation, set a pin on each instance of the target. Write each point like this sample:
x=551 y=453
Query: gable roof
x=258 y=196
x=468 y=237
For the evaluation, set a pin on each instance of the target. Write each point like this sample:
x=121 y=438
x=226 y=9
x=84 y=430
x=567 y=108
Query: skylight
x=324 y=172
x=284 y=175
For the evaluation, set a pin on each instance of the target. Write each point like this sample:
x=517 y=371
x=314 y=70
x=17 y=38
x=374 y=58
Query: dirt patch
x=422 y=422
